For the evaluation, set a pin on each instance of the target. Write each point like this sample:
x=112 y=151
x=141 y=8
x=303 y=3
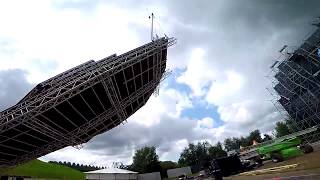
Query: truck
x=279 y=151
x=275 y=145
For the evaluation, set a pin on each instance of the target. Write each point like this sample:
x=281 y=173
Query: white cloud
x=237 y=90
x=236 y=112
x=170 y=102
x=85 y=156
x=220 y=87
x=199 y=73
x=65 y=36
x=222 y=90
x=175 y=150
x=223 y=63
x=206 y=122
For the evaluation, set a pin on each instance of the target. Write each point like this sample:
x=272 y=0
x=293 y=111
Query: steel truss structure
x=296 y=84
x=74 y=106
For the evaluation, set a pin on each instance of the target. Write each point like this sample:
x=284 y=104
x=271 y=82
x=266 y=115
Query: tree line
x=282 y=128
x=79 y=167
x=146 y=160
x=195 y=155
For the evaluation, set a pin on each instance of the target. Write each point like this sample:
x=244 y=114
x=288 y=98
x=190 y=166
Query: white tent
x=111 y=174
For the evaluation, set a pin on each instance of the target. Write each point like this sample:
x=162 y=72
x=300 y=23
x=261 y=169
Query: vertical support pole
x=152 y=17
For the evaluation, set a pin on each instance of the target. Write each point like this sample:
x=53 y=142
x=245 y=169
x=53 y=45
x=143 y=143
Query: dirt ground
x=308 y=168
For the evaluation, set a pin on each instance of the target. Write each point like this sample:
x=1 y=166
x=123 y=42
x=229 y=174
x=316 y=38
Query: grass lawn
x=43 y=170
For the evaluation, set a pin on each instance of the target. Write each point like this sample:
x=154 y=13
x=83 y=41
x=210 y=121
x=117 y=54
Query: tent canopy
x=111 y=171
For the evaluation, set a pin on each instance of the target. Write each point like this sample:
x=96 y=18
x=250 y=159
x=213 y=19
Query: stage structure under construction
x=297 y=83
x=74 y=106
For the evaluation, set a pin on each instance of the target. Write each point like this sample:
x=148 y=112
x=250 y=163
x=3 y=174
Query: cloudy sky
x=218 y=85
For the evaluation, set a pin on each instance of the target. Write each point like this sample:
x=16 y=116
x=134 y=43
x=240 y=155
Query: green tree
x=165 y=165
x=244 y=142
x=168 y=165
x=194 y=155
x=267 y=137
x=282 y=129
x=232 y=143
x=146 y=160
x=254 y=136
x=216 y=151
x=290 y=122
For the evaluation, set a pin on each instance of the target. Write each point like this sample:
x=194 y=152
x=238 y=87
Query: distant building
x=111 y=174
x=172 y=173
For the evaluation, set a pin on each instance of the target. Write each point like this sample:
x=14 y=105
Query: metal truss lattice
x=296 y=84
x=74 y=106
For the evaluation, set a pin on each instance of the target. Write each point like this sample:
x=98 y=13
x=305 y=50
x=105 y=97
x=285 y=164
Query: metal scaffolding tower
x=74 y=106
x=296 y=83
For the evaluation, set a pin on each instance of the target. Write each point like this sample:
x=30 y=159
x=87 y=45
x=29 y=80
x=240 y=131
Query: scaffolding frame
x=63 y=87
x=296 y=86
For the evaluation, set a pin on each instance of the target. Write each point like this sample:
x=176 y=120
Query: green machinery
x=279 y=151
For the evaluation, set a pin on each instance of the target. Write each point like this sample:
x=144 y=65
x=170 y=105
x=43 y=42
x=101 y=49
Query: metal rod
x=152 y=17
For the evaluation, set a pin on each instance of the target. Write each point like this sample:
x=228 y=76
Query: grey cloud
x=130 y=136
x=13 y=87
x=6 y=46
x=244 y=36
x=241 y=35
x=233 y=25
x=253 y=13
x=45 y=66
x=83 y=5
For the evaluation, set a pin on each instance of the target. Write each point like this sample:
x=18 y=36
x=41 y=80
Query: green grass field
x=43 y=170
